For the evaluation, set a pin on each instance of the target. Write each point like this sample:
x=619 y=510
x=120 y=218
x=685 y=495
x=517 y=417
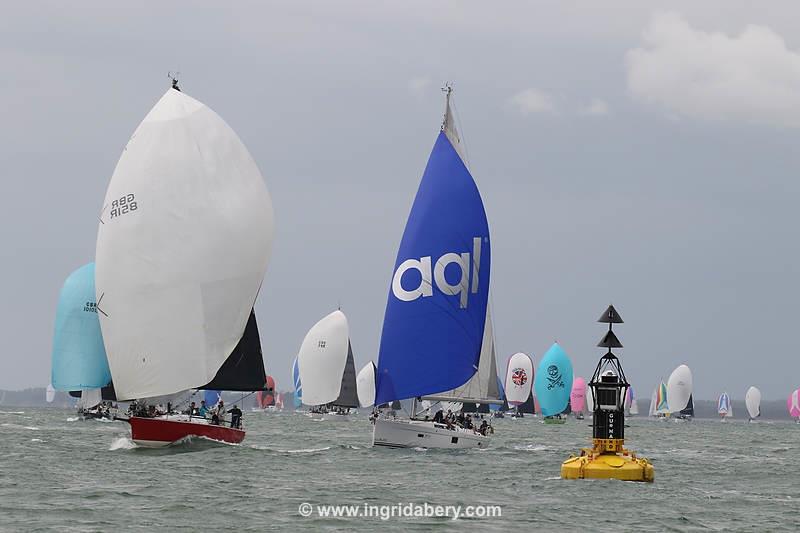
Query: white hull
x=420 y=434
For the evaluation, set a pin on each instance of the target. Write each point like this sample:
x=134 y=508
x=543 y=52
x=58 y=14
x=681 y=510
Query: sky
x=635 y=153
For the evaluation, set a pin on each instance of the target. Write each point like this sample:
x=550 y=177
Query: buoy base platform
x=608 y=459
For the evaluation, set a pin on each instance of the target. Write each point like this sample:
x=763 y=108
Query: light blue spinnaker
x=79 y=357
x=436 y=311
x=298 y=388
x=553 y=381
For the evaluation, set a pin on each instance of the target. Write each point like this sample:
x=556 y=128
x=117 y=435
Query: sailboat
x=298 y=386
x=679 y=393
x=724 y=406
x=752 y=400
x=266 y=399
x=630 y=403
x=661 y=407
x=49 y=394
x=182 y=247
x=79 y=363
x=553 y=384
x=519 y=382
x=577 y=398
x=327 y=369
x=437 y=329
x=793 y=405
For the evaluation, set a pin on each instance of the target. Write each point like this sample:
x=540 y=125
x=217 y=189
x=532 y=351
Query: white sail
x=634 y=407
x=519 y=379
x=365 y=385
x=322 y=358
x=752 y=401
x=589 y=400
x=482 y=387
x=679 y=389
x=50 y=393
x=90 y=398
x=182 y=248
x=653 y=403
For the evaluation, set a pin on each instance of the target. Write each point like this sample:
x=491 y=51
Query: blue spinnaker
x=79 y=357
x=436 y=311
x=298 y=388
x=553 y=381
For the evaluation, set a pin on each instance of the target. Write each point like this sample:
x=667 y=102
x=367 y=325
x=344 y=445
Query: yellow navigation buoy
x=608 y=458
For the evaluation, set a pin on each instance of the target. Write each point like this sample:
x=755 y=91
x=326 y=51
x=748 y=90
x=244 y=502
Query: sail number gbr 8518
x=123 y=205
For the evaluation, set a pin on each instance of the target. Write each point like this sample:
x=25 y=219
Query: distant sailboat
x=436 y=329
x=327 y=368
x=752 y=400
x=519 y=382
x=298 y=386
x=662 y=407
x=182 y=247
x=630 y=402
x=724 y=406
x=265 y=399
x=577 y=398
x=553 y=383
x=679 y=393
x=49 y=395
x=79 y=363
x=793 y=405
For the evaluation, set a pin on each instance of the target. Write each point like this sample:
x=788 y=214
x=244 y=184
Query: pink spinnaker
x=577 y=397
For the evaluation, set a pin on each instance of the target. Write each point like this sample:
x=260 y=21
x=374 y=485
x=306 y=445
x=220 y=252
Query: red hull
x=162 y=432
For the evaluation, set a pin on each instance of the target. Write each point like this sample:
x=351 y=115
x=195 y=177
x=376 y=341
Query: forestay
x=183 y=244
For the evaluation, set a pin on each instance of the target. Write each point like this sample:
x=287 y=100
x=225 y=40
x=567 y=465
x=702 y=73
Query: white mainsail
x=182 y=248
x=482 y=387
x=653 y=403
x=50 y=393
x=322 y=359
x=89 y=398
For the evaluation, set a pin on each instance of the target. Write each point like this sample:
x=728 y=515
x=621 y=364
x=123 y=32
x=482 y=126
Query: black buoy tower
x=608 y=458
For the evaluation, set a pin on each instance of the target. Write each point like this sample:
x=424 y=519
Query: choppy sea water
x=60 y=473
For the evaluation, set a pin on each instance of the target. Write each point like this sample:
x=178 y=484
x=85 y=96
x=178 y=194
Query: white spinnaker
x=679 y=388
x=752 y=400
x=182 y=248
x=365 y=385
x=519 y=378
x=322 y=358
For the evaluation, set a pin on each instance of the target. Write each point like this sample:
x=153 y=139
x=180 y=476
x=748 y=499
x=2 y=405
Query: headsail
x=433 y=328
x=662 y=407
x=79 y=357
x=553 y=381
x=679 y=389
x=724 y=405
x=482 y=387
x=298 y=387
x=752 y=400
x=577 y=397
x=182 y=247
x=322 y=359
x=519 y=379
x=348 y=392
x=365 y=384
x=793 y=404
